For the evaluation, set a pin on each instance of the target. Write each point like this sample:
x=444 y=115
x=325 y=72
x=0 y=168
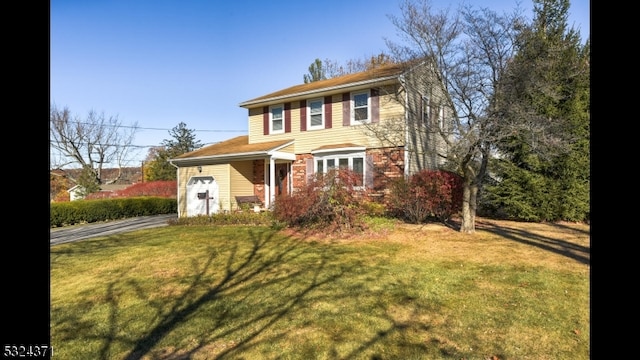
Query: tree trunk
x=469 y=196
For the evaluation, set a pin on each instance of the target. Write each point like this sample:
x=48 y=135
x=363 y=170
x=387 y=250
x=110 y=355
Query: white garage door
x=202 y=196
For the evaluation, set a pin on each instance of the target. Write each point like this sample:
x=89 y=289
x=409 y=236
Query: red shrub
x=163 y=188
x=427 y=194
x=332 y=202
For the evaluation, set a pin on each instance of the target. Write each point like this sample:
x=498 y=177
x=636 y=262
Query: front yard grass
x=510 y=291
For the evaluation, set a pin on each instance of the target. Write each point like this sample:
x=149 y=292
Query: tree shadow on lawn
x=257 y=267
x=518 y=233
x=226 y=305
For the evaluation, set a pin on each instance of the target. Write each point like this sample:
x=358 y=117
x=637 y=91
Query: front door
x=282 y=179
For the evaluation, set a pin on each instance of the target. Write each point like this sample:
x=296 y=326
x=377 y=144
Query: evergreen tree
x=316 y=72
x=88 y=181
x=544 y=172
x=183 y=141
x=159 y=167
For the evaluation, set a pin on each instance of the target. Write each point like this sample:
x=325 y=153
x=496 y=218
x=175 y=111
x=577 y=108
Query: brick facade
x=388 y=164
x=299 y=170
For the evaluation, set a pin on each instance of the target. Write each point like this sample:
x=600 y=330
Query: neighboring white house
x=76 y=193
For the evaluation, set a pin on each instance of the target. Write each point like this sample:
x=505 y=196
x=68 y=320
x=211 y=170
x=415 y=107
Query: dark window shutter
x=265 y=120
x=375 y=106
x=368 y=176
x=328 y=121
x=346 y=109
x=287 y=117
x=309 y=169
x=303 y=115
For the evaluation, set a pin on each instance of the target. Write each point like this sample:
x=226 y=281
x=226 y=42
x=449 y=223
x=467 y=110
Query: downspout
x=407 y=157
x=177 y=185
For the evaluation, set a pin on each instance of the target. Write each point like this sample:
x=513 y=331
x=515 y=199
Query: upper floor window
x=276 y=123
x=316 y=114
x=425 y=109
x=361 y=108
x=441 y=121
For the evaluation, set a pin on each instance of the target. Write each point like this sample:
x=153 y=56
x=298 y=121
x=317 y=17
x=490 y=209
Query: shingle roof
x=236 y=145
x=378 y=73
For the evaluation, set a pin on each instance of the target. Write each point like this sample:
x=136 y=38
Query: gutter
x=227 y=157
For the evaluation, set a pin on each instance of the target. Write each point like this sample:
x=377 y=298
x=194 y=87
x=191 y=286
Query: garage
x=202 y=196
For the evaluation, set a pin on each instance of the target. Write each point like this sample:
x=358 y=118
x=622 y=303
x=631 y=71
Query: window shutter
x=265 y=120
x=287 y=117
x=369 y=175
x=346 y=109
x=327 y=112
x=375 y=106
x=309 y=169
x=303 y=115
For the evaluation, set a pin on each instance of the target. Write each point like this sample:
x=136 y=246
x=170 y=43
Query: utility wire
x=148 y=128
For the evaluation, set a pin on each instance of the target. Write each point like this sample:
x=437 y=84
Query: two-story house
x=381 y=123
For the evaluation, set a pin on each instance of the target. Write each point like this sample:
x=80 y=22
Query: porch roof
x=237 y=148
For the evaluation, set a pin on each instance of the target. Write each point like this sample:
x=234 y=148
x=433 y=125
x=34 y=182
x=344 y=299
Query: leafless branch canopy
x=90 y=142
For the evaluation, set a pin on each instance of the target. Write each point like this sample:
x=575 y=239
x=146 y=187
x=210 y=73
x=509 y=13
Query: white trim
x=272 y=182
x=282 y=155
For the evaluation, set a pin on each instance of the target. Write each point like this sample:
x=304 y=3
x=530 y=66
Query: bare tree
x=89 y=143
x=468 y=51
x=333 y=69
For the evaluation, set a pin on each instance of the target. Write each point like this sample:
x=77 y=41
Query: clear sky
x=162 y=62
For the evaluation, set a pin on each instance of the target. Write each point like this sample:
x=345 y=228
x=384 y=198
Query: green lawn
x=229 y=292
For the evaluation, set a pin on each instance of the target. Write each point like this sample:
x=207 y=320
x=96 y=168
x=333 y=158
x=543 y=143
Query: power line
x=151 y=128
x=127 y=145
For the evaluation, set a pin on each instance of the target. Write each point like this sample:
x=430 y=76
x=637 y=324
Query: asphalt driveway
x=85 y=231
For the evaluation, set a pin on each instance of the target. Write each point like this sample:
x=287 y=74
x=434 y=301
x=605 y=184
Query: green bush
x=231 y=218
x=88 y=211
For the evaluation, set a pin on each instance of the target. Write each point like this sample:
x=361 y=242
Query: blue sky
x=162 y=62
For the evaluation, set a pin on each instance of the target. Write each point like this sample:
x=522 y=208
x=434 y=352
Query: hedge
x=88 y=211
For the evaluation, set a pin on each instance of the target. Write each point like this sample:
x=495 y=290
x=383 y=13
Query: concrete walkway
x=85 y=231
